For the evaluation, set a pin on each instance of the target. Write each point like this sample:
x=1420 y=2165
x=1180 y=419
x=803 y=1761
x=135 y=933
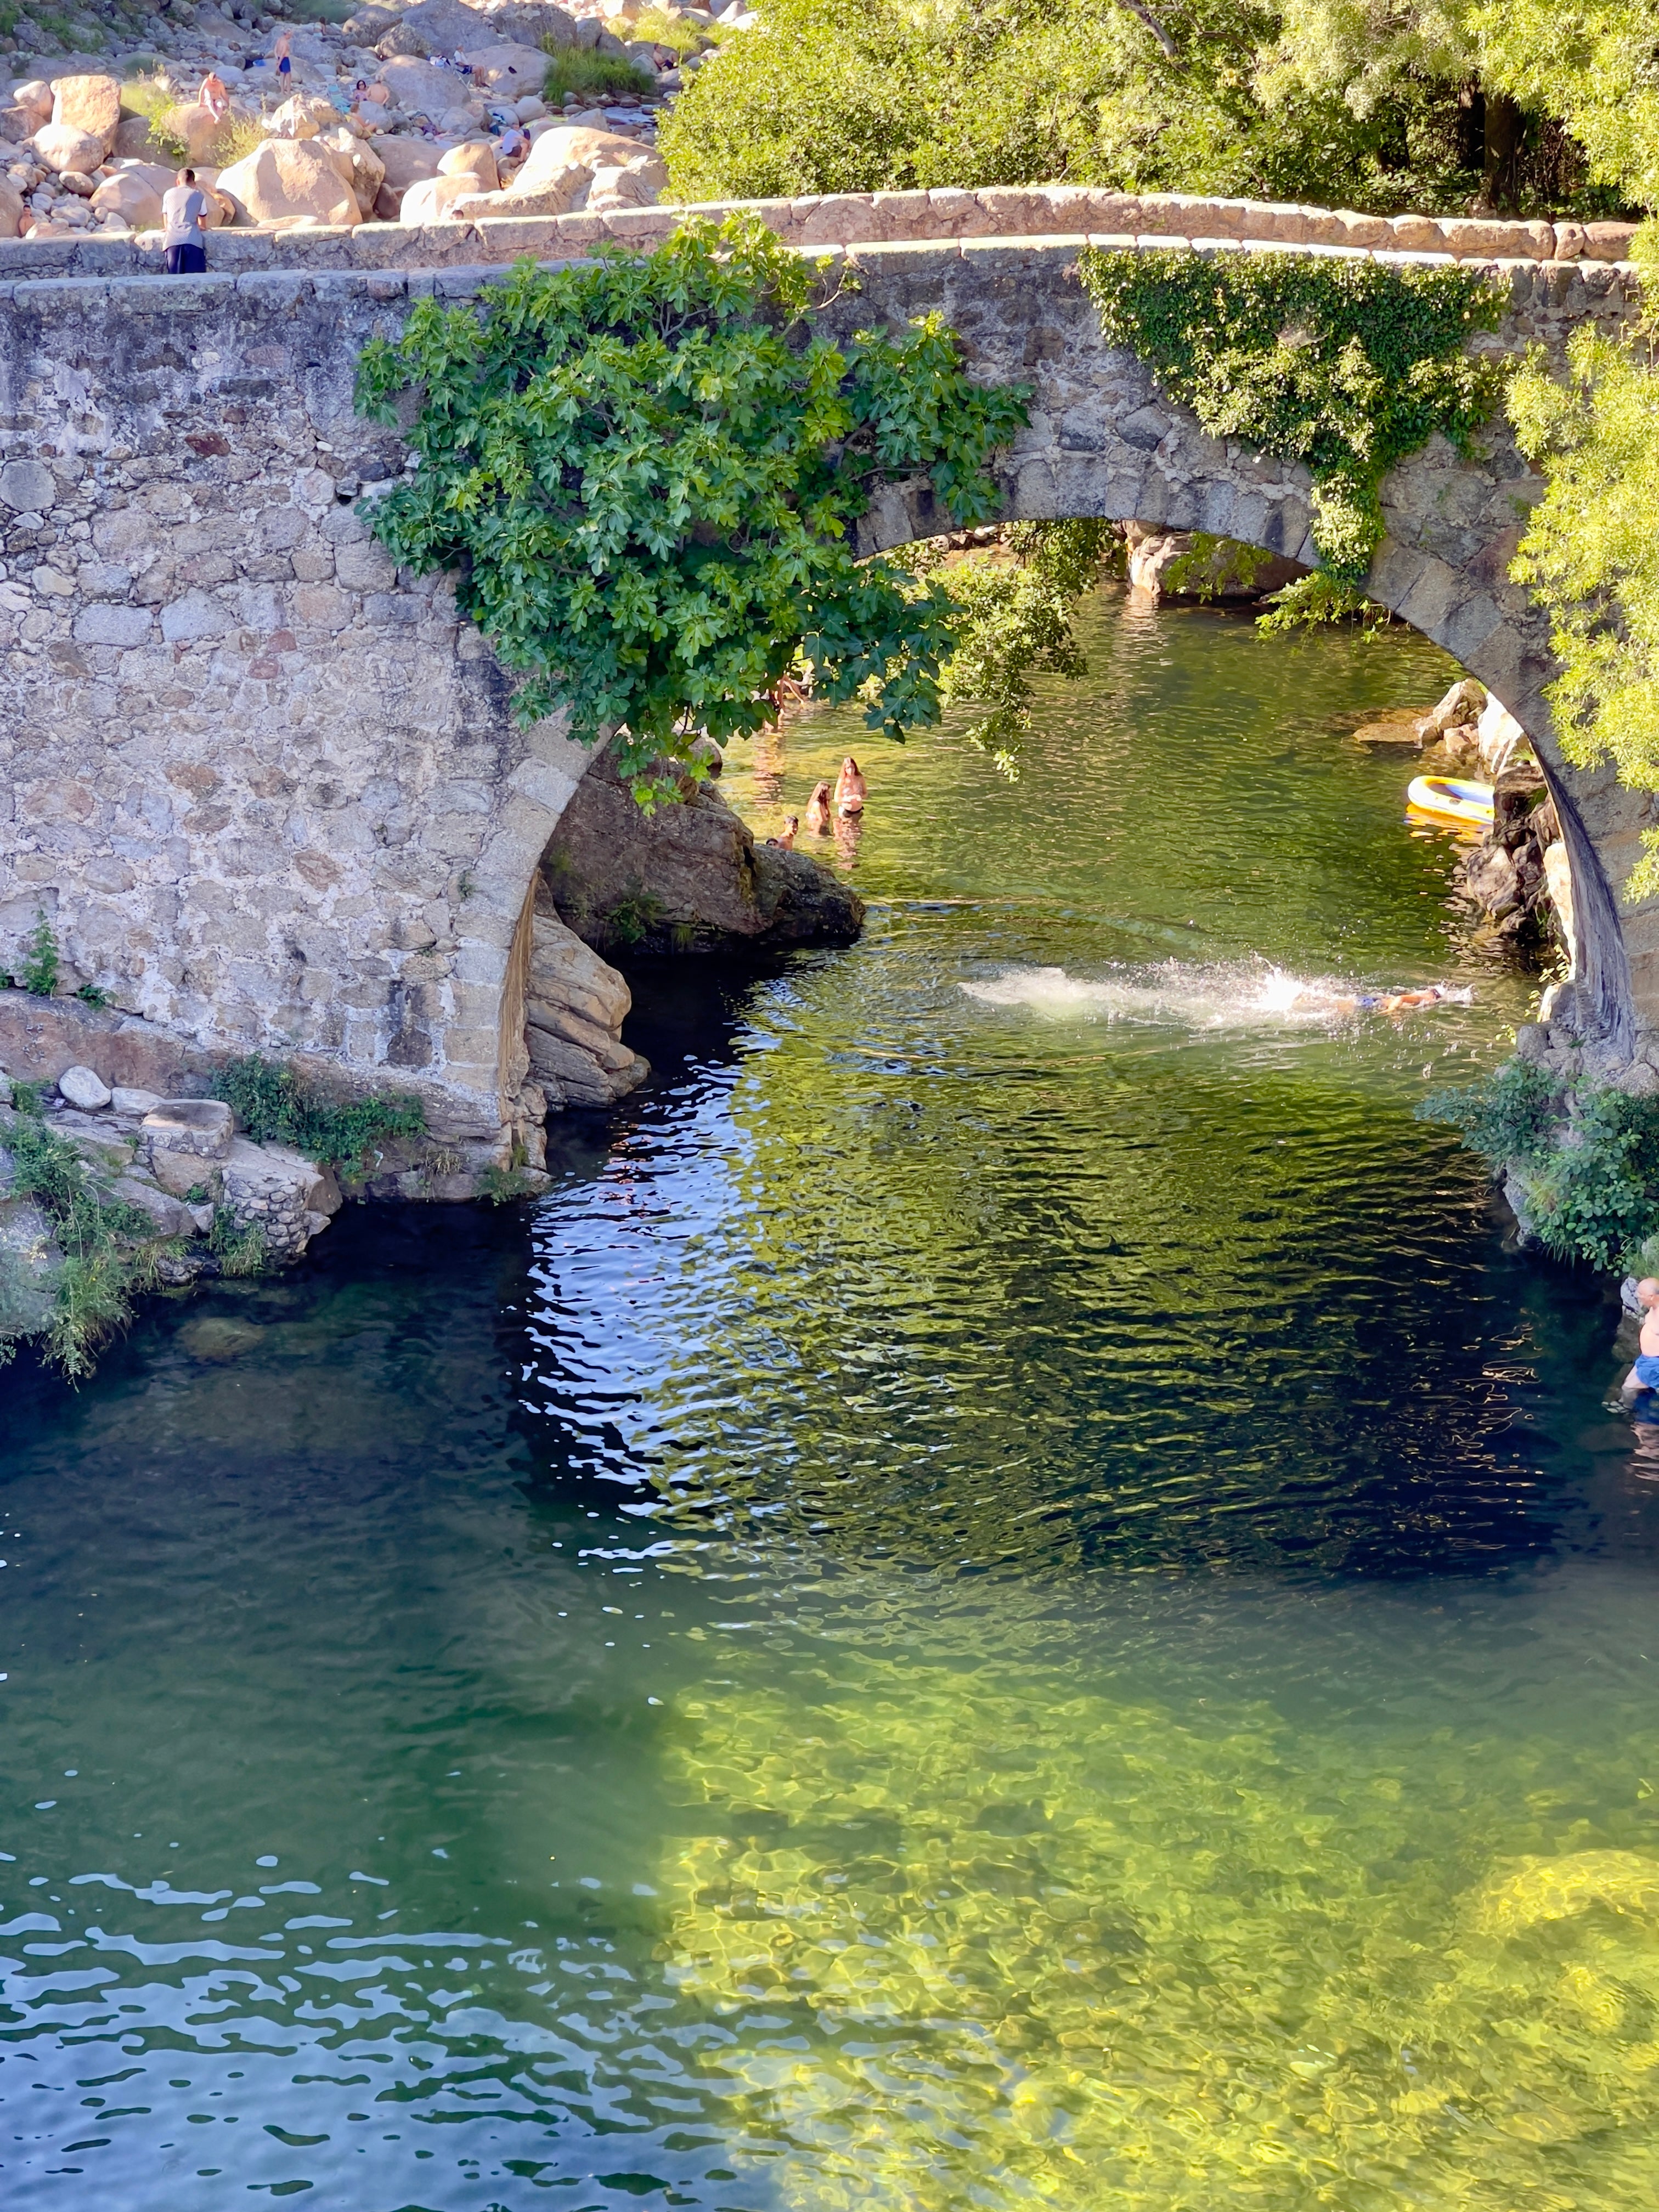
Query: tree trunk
x=1471 y=126
x=1501 y=153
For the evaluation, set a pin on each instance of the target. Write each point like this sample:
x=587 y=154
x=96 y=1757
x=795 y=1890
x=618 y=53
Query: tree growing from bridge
x=645 y=473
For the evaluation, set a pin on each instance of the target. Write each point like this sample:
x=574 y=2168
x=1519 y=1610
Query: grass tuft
x=578 y=70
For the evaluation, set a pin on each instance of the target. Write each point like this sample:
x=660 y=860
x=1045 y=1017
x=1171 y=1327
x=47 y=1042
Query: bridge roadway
x=268 y=789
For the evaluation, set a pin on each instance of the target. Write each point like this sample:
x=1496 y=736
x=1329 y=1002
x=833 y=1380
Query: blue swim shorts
x=1647 y=1371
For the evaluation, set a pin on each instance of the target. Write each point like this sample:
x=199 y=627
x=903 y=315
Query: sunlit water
x=1006 y=1598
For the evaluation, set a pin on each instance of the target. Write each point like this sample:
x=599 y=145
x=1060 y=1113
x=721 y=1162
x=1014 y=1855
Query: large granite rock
x=290 y=181
x=1231 y=572
x=574 y=1006
x=92 y=104
x=687 y=877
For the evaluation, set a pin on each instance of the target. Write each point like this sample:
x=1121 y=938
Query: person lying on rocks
x=818 y=810
x=1644 y=1376
x=851 y=789
x=791 y=825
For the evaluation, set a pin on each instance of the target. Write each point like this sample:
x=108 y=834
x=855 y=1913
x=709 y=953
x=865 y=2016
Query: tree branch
x=1137 y=8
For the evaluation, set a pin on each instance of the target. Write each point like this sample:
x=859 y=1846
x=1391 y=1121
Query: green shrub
x=108 y=1252
x=580 y=70
x=238 y=1246
x=154 y=98
x=40 y=967
x=271 y=1104
x=646 y=471
x=1587 y=1158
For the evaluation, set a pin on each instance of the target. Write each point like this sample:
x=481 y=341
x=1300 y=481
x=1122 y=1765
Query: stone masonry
x=269 y=792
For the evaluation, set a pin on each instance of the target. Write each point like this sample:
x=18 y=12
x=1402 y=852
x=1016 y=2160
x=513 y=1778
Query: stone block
x=203 y=1128
x=102 y=623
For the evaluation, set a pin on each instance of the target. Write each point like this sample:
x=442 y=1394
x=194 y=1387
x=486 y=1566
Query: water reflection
x=1007 y=1597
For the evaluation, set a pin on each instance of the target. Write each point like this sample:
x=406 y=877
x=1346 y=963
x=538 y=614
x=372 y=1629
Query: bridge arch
x=269 y=790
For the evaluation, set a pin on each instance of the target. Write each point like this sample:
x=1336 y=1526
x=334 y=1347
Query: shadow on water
x=1006 y=1596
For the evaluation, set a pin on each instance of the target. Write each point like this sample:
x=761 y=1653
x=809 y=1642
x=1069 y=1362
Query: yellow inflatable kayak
x=1448 y=799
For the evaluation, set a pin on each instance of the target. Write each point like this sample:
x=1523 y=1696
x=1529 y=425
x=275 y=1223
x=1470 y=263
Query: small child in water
x=791 y=824
x=1644 y=1376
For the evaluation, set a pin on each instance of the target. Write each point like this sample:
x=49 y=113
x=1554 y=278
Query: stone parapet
x=1011 y=211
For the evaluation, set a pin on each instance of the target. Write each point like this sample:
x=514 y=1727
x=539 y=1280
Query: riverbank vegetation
x=1585 y=1157
x=1439 y=105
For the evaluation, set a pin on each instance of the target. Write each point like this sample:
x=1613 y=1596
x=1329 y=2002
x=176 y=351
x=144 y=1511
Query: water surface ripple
x=1033 y=1608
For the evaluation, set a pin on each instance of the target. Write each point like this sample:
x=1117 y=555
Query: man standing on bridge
x=183 y=233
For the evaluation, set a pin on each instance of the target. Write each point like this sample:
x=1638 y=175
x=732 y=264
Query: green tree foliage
x=1592 y=67
x=1015 y=618
x=1345 y=366
x=1376 y=104
x=1591 y=557
x=645 y=472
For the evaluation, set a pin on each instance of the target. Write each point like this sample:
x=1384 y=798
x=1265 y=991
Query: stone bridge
x=267 y=790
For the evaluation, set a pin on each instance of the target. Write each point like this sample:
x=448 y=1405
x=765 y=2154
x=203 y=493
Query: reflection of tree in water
x=988 y=1938
x=1030 y=1313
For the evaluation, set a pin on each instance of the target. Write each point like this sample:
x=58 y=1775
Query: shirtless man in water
x=1384 y=1002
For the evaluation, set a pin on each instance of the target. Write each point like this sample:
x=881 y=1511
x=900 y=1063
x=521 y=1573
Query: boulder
x=357 y=162
x=575 y=1006
x=194 y=129
x=556 y=195
x=92 y=104
x=1232 y=572
x=30 y=1264
x=302 y=117
x=419 y=88
x=623 y=187
x=1463 y=704
x=133 y=197
x=85 y=1087
x=35 y=98
x=60 y=146
x=572 y=147
x=134 y=141
x=168 y=1217
x=688 y=878
x=11 y=209
x=434 y=198
x=510 y=71
x=18 y=124
x=1498 y=734
x=475 y=160
x=289 y=181
x=128 y=1098
x=406 y=160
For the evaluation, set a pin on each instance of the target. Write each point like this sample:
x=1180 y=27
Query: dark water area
x=1031 y=1602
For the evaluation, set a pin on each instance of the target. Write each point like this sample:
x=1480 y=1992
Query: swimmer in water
x=851 y=789
x=790 y=826
x=1383 y=1002
x=818 y=810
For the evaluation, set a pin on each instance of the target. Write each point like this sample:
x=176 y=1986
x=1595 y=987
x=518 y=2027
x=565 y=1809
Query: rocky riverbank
x=443 y=109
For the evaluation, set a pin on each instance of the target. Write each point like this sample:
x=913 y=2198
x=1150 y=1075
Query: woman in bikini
x=851 y=790
x=819 y=810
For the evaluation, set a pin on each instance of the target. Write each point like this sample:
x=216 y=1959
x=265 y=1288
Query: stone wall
x=268 y=791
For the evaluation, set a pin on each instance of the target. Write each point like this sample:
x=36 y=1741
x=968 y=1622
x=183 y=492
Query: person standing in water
x=791 y=825
x=818 y=810
x=851 y=790
x=1644 y=1376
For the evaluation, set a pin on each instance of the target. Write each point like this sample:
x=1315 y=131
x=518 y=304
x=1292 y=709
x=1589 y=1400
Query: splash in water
x=1221 y=995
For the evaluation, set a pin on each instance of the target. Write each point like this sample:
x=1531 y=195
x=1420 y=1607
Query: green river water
x=1007 y=1597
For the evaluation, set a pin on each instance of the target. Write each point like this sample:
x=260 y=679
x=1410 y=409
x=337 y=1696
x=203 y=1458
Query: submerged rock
x=687 y=878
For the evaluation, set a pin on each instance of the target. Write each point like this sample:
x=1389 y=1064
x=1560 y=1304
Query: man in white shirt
x=184 y=211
